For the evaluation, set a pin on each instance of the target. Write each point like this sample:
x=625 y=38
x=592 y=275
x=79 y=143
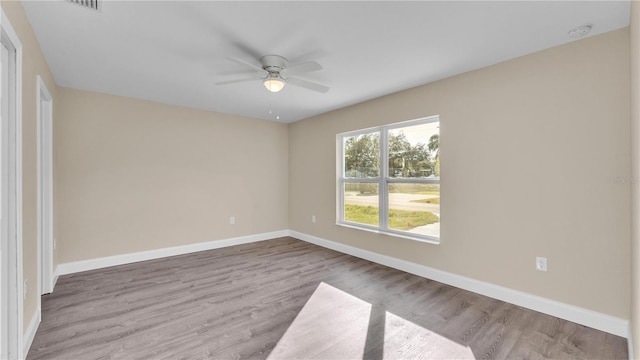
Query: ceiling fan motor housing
x=273 y=63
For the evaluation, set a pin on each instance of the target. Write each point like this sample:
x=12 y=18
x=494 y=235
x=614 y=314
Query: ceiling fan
x=275 y=73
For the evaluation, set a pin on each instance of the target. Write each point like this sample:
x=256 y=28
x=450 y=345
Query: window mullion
x=383 y=197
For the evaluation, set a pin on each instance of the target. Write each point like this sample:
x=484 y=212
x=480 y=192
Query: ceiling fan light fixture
x=274 y=83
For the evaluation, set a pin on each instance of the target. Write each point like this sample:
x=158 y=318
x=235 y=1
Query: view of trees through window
x=403 y=180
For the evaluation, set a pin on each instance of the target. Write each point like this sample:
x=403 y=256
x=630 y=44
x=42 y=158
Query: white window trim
x=382 y=180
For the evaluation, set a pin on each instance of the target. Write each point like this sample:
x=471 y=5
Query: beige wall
x=635 y=177
x=33 y=65
x=528 y=148
x=137 y=175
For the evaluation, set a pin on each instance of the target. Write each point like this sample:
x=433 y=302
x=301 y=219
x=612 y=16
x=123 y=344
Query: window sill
x=403 y=235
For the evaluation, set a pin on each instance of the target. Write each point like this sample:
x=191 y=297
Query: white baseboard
x=30 y=332
x=596 y=320
x=92 y=264
x=54 y=281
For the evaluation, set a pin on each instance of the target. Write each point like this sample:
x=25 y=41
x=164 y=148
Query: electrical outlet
x=313 y=219
x=25 y=289
x=232 y=220
x=541 y=263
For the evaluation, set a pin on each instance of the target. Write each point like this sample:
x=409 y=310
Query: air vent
x=91 y=4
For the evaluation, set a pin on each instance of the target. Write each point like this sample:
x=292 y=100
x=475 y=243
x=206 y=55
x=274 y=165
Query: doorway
x=11 y=323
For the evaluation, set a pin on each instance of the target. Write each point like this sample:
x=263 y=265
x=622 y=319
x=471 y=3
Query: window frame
x=383 y=180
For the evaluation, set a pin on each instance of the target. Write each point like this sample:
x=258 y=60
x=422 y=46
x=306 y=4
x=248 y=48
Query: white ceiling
x=174 y=51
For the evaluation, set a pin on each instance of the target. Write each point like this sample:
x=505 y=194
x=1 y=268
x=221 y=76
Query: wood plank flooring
x=287 y=299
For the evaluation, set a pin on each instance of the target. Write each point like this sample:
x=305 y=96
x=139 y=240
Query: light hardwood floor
x=287 y=299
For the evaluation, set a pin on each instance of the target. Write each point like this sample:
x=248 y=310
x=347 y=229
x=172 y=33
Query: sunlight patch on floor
x=404 y=339
x=334 y=324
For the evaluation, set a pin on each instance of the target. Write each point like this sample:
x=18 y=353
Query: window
x=389 y=179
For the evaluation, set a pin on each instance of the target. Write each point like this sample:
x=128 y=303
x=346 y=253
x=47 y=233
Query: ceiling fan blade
x=307 y=84
x=245 y=72
x=246 y=63
x=237 y=81
x=302 y=68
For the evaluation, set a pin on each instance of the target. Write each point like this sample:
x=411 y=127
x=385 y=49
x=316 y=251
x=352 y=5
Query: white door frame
x=11 y=270
x=45 y=188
